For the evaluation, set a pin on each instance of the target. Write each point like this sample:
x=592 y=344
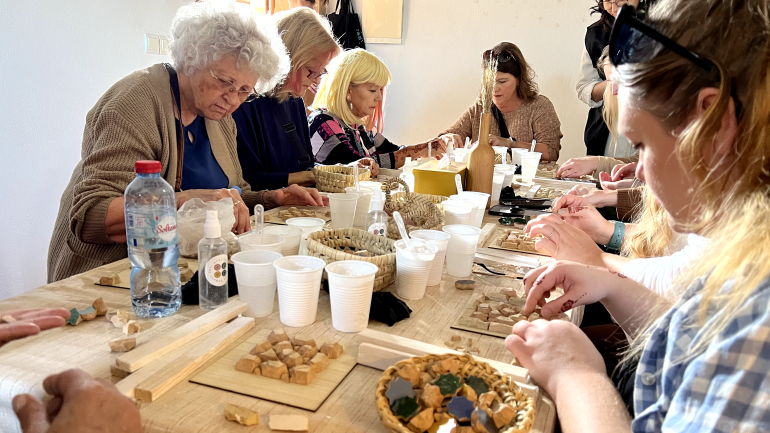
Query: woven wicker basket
x=419 y=211
x=507 y=391
x=340 y=244
x=335 y=178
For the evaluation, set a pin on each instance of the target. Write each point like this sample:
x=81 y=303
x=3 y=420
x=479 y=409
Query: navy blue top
x=200 y=170
x=266 y=155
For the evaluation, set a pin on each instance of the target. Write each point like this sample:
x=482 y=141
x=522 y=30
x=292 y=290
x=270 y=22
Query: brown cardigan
x=535 y=119
x=133 y=120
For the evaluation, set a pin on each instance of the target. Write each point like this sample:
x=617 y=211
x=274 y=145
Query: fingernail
x=19 y=403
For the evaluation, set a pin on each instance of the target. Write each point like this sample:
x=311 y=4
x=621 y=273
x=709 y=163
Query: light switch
x=164 y=42
x=151 y=44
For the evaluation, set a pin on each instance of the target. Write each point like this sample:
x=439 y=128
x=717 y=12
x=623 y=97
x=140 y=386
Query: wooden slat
x=179 y=369
x=145 y=354
x=485 y=232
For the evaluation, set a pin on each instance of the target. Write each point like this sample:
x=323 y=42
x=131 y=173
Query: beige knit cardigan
x=535 y=119
x=133 y=120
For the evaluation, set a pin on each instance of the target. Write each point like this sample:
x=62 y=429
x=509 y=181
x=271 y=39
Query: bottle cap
x=376 y=201
x=145 y=167
x=212 y=229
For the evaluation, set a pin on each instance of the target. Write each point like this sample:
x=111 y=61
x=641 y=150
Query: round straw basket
x=464 y=365
x=335 y=178
x=341 y=244
x=419 y=211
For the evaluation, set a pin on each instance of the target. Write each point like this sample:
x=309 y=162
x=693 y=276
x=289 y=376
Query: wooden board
x=495 y=242
x=223 y=375
x=155 y=349
x=125 y=275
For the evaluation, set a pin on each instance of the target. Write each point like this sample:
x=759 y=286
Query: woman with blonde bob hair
x=695 y=100
x=273 y=138
x=344 y=124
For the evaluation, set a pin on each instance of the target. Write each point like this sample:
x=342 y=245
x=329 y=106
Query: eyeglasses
x=502 y=57
x=617 y=3
x=628 y=30
x=229 y=87
x=313 y=75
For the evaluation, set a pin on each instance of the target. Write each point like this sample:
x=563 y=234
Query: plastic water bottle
x=212 y=264
x=406 y=173
x=377 y=219
x=151 y=235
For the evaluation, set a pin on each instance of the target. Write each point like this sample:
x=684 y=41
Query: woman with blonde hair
x=695 y=99
x=344 y=124
x=273 y=138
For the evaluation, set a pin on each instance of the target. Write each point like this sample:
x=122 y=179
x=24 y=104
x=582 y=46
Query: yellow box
x=429 y=180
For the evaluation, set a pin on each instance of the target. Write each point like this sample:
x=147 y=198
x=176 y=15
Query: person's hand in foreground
x=562 y=241
x=578 y=212
x=79 y=403
x=24 y=323
x=576 y=167
x=295 y=195
x=596 y=197
x=624 y=171
x=609 y=185
x=369 y=163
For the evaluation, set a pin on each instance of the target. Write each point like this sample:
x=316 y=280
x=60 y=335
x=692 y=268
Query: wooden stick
x=145 y=354
x=178 y=370
x=485 y=232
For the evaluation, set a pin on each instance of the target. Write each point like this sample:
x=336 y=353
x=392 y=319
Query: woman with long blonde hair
x=695 y=98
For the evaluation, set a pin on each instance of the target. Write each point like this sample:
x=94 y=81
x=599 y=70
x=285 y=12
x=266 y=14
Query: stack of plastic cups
x=343 y=207
x=413 y=268
x=497 y=185
x=299 y=282
x=461 y=249
x=362 y=205
x=374 y=186
x=529 y=163
x=261 y=242
x=308 y=225
x=255 y=274
x=474 y=208
x=480 y=199
x=291 y=235
x=458 y=211
x=440 y=240
x=351 y=283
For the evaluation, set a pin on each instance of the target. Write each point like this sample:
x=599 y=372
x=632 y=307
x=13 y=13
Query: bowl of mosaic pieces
x=496 y=313
x=451 y=392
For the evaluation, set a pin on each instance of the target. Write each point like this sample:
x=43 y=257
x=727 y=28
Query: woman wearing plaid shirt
x=694 y=94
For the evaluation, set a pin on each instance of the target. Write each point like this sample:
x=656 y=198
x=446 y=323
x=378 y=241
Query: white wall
x=56 y=59
x=437 y=68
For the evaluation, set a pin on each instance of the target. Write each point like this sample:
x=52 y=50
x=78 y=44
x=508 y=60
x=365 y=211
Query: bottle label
x=379 y=229
x=216 y=270
x=150 y=231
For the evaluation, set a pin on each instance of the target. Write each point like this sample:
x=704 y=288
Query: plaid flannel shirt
x=724 y=389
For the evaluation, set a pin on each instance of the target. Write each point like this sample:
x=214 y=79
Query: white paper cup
x=517 y=151
x=351 y=283
x=291 y=235
x=374 y=186
x=263 y=242
x=362 y=205
x=299 y=282
x=308 y=225
x=480 y=200
x=461 y=249
x=343 y=207
x=255 y=274
x=458 y=211
x=440 y=240
x=497 y=185
x=529 y=162
x=413 y=268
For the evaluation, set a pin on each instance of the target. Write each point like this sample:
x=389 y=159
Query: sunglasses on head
x=628 y=31
x=502 y=57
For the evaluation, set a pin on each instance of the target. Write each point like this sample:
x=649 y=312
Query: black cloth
x=347 y=26
x=190 y=294
x=596 y=132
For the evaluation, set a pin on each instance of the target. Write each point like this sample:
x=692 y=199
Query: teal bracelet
x=617 y=236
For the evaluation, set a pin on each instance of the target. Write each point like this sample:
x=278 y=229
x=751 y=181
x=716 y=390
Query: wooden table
x=195 y=408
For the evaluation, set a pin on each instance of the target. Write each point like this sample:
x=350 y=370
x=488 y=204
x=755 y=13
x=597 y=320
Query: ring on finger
x=237 y=203
x=552 y=232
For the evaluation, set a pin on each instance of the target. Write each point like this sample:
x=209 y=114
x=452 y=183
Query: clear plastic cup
x=351 y=283
x=343 y=207
x=461 y=155
x=413 y=268
x=262 y=242
x=291 y=235
x=255 y=274
x=517 y=154
x=480 y=200
x=439 y=239
x=461 y=249
x=502 y=151
x=497 y=185
x=529 y=163
x=458 y=211
x=299 y=281
x=308 y=225
x=362 y=205
x=374 y=186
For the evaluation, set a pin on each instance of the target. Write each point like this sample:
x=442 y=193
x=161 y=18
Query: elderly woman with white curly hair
x=179 y=115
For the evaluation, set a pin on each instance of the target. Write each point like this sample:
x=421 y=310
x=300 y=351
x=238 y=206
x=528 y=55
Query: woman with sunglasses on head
x=694 y=97
x=273 y=138
x=178 y=115
x=520 y=113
